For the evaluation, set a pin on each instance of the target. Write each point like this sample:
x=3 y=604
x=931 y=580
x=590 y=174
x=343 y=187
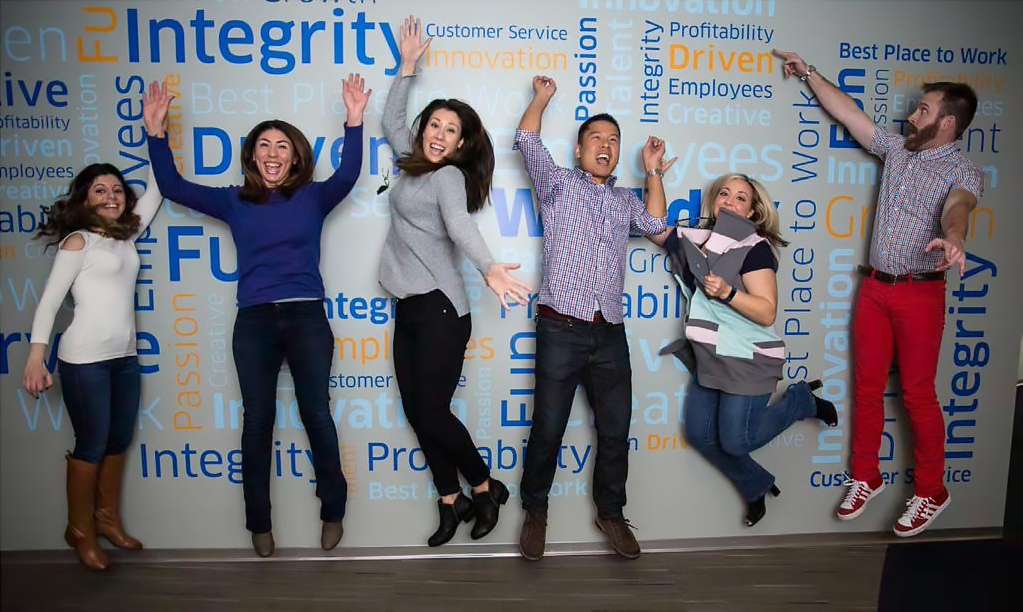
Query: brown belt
x=546 y=310
x=891 y=279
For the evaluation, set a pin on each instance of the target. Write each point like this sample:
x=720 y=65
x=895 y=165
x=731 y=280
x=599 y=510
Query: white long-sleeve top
x=101 y=277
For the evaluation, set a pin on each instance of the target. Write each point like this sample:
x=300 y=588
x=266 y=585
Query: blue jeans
x=102 y=400
x=595 y=355
x=264 y=336
x=726 y=428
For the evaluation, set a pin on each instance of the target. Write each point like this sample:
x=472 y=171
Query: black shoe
x=618 y=530
x=488 y=505
x=450 y=516
x=756 y=510
x=825 y=410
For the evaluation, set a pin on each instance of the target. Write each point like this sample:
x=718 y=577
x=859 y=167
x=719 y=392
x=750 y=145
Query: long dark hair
x=475 y=158
x=71 y=212
x=301 y=172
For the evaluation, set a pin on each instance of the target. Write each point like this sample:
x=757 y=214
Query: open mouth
x=437 y=149
x=272 y=170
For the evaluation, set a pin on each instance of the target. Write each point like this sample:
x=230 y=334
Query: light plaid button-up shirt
x=586 y=229
x=914 y=186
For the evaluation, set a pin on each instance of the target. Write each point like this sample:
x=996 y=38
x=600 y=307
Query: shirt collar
x=610 y=183
x=939 y=152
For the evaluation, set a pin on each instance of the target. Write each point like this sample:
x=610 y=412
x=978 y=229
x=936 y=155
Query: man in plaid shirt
x=928 y=189
x=580 y=336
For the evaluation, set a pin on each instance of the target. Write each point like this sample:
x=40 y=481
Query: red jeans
x=905 y=320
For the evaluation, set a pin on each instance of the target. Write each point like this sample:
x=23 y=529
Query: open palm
x=155 y=104
x=355 y=94
x=411 y=44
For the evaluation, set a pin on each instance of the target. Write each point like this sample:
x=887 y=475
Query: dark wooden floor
x=832 y=577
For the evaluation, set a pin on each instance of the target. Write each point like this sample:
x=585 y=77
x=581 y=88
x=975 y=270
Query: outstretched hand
x=411 y=46
x=155 y=104
x=504 y=284
x=653 y=155
x=356 y=96
x=954 y=250
x=792 y=64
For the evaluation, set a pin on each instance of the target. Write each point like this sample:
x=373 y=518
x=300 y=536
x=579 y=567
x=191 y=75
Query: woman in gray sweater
x=447 y=163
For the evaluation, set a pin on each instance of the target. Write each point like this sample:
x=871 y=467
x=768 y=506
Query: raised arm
x=544 y=88
x=212 y=201
x=66 y=265
x=838 y=103
x=340 y=184
x=655 y=167
x=394 y=122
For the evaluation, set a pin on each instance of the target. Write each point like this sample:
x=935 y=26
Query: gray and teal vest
x=722 y=347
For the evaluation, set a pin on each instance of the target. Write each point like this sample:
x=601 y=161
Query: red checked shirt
x=586 y=229
x=914 y=186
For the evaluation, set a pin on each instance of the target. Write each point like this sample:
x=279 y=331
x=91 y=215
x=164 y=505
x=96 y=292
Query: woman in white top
x=95 y=224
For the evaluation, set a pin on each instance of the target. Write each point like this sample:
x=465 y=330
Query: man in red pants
x=928 y=189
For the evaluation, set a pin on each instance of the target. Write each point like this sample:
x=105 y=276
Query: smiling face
x=106 y=196
x=735 y=195
x=442 y=135
x=598 y=150
x=928 y=126
x=274 y=155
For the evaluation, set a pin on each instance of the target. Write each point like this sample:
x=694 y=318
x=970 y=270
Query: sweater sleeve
x=212 y=201
x=147 y=206
x=450 y=187
x=393 y=121
x=340 y=184
x=66 y=266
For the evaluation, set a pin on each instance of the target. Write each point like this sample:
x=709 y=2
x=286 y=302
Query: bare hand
x=653 y=155
x=503 y=284
x=792 y=63
x=356 y=96
x=411 y=45
x=36 y=379
x=954 y=250
x=155 y=104
x=544 y=87
x=715 y=286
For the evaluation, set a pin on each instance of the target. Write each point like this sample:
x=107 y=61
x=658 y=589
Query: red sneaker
x=920 y=513
x=860 y=492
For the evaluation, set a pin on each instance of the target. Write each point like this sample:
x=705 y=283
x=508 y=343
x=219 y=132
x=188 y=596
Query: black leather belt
x=546 y=310
x=891 y=279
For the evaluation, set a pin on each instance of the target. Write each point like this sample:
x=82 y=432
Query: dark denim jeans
x=595 y=355
x=102 y=400
x=726 y=428
x=429 y=350
x=264 y=336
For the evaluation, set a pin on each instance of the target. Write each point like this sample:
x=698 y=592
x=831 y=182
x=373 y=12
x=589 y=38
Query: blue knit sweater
x=278 y=242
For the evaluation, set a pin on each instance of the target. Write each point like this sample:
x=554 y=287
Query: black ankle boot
x=450 y=516
x=487 y=506
x=825 y=410
x=756 y=510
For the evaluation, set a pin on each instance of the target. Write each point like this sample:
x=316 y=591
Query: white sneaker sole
x=913 y=532
x=873 y=494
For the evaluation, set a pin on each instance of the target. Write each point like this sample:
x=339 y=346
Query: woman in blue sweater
x=276 y=218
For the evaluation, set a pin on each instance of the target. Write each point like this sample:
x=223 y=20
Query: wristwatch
x=654 y=171
x=731 y=295
x=810 y=69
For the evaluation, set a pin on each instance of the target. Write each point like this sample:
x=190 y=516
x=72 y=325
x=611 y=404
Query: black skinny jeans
x=429 y=349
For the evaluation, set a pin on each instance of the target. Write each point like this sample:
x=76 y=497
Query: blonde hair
x=764 y=214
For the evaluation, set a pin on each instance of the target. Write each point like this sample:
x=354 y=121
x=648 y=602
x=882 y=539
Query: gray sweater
x=429 y=222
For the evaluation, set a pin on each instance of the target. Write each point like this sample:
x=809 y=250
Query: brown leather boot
x=108 y=503
x=81 y=497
